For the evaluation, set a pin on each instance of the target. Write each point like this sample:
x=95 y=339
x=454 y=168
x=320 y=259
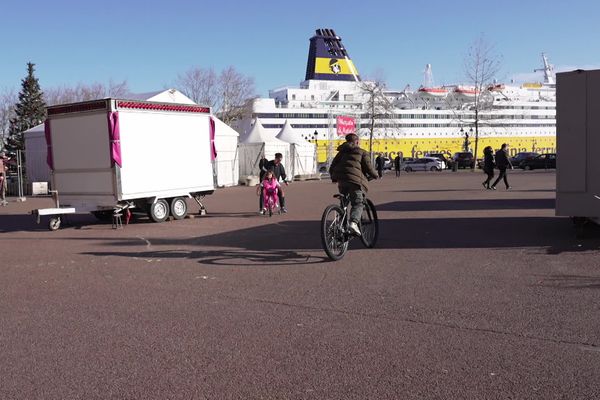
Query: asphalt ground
x=469 y=294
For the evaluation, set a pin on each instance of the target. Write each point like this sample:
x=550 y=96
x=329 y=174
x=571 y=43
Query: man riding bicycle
x=351 y=169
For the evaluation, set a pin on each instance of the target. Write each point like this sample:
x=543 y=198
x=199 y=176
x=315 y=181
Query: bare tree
x=376 y=104
x=481 y=64
x=200 y=85
x=234 y=90
x=82 y=92
x=8 y=99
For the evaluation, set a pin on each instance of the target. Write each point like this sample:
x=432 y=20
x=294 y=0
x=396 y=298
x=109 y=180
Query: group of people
x=380 y=165
x=499 y=160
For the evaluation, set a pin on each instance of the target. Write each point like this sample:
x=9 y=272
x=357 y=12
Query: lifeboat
x=465 y=92
x=433 y=91
x=496 y=88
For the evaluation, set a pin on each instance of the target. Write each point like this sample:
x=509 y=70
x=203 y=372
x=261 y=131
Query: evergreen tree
x=29 y=111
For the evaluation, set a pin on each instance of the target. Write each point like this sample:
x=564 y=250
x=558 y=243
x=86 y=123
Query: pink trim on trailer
x=91 y=106
x=213 y=149
x=114 y=137
x=47 y=134
x=162 y=107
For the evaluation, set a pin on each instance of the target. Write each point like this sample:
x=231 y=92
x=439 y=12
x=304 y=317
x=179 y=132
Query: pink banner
x=49 y=159
x=345 y=125
x=213 y=149
x=114 y=137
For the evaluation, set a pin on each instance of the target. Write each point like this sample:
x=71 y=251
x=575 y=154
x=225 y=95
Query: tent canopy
x=258 y=134
x=290 y=135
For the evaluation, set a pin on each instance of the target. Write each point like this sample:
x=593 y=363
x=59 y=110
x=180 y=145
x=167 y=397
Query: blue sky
x=149 y=42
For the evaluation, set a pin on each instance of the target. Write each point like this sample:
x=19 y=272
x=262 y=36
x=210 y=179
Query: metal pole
x=20 y=175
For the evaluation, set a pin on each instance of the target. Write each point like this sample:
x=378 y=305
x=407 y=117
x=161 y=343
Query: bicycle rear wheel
x=333 y=237
x=369 y=225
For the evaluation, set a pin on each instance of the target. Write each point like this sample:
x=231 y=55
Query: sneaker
x=493 y=187
x=263 y=211
x=284 y=210
x=484 y=185
x=508 y=187
x=353 y=228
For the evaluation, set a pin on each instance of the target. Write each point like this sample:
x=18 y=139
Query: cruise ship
x=415 y=122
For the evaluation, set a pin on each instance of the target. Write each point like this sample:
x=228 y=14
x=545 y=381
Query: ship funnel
x=328 y=59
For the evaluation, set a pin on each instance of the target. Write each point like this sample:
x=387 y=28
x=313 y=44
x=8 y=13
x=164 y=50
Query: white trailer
x=578 y=143
x=111 y=155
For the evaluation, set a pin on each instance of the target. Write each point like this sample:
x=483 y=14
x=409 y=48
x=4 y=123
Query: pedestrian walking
x=397 y=163
x=503 y=163
x=379 y=166
x=488 y=166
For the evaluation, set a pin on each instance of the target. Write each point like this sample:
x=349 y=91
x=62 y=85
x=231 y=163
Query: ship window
x=293 y=97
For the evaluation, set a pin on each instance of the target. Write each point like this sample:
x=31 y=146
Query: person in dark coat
x=351 y=169
x=503 y=163
x=488 y=166
x=379 y=165
x=262 y=170
x=397 y=163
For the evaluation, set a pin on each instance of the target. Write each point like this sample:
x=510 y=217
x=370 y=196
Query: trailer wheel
x=54 y=223
x=179 y=208
x=159 y=211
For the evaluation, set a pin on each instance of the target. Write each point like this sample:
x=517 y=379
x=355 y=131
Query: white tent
x=162 y=96
x=302 y=153
x=36 y=151
x=227 y=165
x=256 y=143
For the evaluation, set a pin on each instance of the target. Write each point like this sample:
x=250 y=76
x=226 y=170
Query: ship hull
x=449 y=146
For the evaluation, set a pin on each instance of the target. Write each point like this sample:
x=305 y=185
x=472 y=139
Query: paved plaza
x=469 y=294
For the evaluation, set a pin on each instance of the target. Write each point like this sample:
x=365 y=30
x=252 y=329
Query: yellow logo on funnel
x=337 y=66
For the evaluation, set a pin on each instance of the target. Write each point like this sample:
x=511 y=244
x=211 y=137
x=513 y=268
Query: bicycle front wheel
x=369 y=225
x=333 y=237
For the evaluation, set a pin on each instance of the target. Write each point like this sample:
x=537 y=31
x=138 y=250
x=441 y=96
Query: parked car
x=424 y=164
x=545 y=161
x=387 y=163
x=520 y=157
x=441 y=156
x=463 y=160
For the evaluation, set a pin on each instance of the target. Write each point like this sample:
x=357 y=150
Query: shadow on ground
x=287 y=242
x=477 y=204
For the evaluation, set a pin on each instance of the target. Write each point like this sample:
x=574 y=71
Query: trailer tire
x=159 y=211
x=179 y=208
x=54 y=223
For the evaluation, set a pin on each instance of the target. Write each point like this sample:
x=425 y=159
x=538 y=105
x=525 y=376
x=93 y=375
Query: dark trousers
x=490 y=176
x=398 y=172
x=502 y=175
x=356 y=199
x=380 y=173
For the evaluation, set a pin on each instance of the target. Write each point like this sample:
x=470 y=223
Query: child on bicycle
x=269 y=187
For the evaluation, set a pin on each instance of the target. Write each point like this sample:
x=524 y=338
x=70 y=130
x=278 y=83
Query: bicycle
x=272 y=202
x=335 y=235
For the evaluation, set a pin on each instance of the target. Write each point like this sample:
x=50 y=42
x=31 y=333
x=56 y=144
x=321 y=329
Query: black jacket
x=488 y=162
x=278 y=170
x=262 y=165
x=502 y=161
